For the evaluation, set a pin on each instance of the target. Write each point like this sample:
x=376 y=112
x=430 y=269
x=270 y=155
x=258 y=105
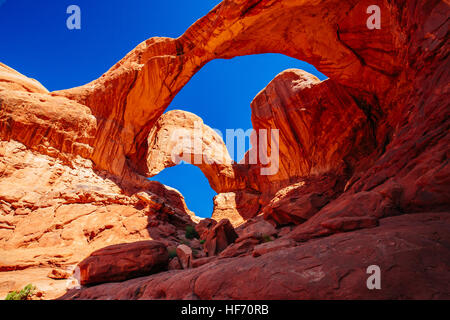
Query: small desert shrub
x=191 y=233
x=266 y=238
x=172 y=253
x=23 y=294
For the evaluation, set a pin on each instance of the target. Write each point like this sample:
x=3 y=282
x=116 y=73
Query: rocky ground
x=363 y=173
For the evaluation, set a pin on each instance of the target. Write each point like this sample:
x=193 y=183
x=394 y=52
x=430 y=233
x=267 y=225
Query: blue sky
x=36 y=42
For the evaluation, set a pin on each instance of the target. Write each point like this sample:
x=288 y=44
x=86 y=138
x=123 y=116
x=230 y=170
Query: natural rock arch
x=378 y=72
x=395 y=80
x=320 y=129
x=131 y=96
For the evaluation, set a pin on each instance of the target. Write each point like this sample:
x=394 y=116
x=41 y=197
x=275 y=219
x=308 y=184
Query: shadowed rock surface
x=412 y=251
x=123 y=261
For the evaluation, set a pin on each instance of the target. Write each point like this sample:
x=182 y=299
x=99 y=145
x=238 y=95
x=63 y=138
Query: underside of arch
x=128 y=99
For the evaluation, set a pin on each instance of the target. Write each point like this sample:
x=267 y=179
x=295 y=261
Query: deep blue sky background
x=36 y=42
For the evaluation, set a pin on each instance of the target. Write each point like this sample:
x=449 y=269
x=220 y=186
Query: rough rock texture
x=300 y=201
x=411 y=250
x=175 y=264
x=184 y=254
x=256 y=228
x=322 y=131
x=55 y=207
x=53 y=215
x=219 y=237
x=123 y=261
x=204 y=226
x=357 y=150
x=180 y=135
x=59 y=274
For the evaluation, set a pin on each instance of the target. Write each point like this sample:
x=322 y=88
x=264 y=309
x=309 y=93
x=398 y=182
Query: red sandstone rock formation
x=180 y=135
x=55 y=207
x=329 y=268
x=184 y=254
x=369 y=143
x=219 y=237
x=123 y=261
x=143 y=83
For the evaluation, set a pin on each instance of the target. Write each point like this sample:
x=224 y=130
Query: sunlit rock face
x=182 y=136
x=55 y=206
x=362 y=174
x=382 y=78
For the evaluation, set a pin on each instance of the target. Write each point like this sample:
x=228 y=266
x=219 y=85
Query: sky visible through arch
x=37 y=43
x=221 y=93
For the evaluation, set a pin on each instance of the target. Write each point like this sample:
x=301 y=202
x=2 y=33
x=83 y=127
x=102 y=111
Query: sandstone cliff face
x=53 y=215
x=356 y=151
x=55 y=208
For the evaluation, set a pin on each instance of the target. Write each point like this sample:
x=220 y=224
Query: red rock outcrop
x=334 y=267
x=368 y=144
x=219 y=237
x=180 y=135
x=55 y=207
x=321 y=131
x=204 y=226
x=184 y=254
x=123 y=261
x=55 y=215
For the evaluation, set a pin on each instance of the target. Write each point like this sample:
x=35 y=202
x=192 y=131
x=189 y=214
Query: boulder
x=59 y=274
x=175 y=264
x=124 y=261
x=219 y=237
x=257 y=230
x=204 y=226
x=184 y=254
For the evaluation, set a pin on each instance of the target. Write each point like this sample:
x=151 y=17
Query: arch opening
x=221 y=93
x=190 y=181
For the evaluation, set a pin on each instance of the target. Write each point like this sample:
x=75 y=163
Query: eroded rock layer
x=363 y=172
x=329 y=268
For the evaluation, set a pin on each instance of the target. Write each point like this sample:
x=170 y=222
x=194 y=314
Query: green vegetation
x=191 y=233
x=202 y=241
x=24 y=294
x=172 y=253
x=267 y=238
